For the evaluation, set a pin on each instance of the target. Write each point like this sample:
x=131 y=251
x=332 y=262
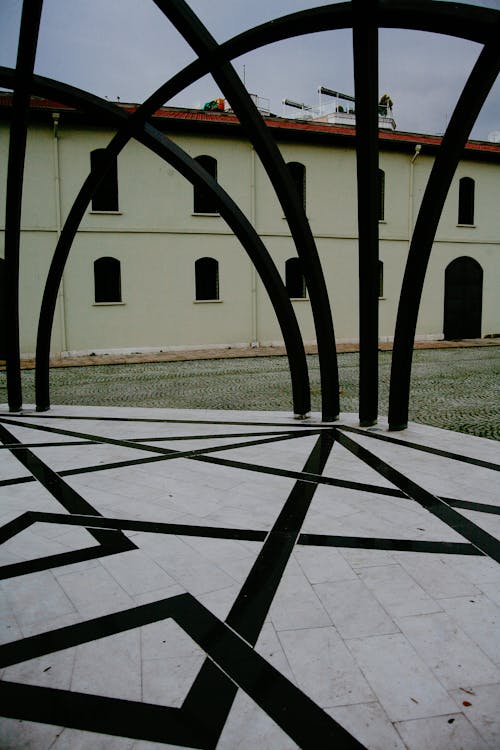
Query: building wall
x=157 y=239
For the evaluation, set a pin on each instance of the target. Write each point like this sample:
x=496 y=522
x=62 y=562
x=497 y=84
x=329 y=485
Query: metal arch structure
x=468 y=22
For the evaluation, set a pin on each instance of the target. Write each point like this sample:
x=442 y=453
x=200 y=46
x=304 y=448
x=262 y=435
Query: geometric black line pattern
x=291 y=709
x=231 y=661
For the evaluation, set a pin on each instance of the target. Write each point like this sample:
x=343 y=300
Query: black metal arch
x=194 y=172
x=468 y=22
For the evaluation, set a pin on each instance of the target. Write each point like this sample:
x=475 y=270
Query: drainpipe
x=418 y=148
x=57 y=196
x=254 y=288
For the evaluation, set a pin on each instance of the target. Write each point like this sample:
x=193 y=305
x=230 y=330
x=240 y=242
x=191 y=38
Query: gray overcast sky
x=127 y=48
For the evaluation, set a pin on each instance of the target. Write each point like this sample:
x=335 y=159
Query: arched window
x=298 y=175
x=294 y=279
x=206 y=273
x=107 y=280
x=105 y=197
x=380 y=279
x=466 y=201
x=381 y=194
x=204 y=202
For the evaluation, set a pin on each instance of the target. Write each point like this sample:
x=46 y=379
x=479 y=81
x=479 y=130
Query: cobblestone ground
x=453 y=388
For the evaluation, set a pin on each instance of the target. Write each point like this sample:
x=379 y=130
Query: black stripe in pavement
x=54 y=444
x=468 y=505
x=158 y=449
x=151 y=527
x=16 y=480
x=423 y=448
x=14 y=527
x=250 y=535
x=300 y=424
x=252 y=604
x=439 y=508
x=95 y=713
x=58 y=488
x=399 y=545
x=61 y=559
x=304 y=722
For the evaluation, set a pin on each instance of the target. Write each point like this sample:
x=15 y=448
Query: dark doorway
x=3 y=310
x=463 y=299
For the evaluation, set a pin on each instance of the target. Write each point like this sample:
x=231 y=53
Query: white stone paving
x=399 y=647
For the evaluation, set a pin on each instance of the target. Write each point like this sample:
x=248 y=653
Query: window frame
x=466 y=198
x=105 y=198
x=205 y=265
x=381 y=195
x=107 y=276
x=294 y=277
x=297 y=172
x=204 y=203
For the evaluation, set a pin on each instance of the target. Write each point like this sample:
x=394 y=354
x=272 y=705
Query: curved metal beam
x=208 y=50
x=28 y=39
x=464 y=116
x=192 y=171
x=472 y=23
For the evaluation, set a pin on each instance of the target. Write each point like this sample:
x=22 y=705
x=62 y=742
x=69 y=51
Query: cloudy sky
x=126 y=49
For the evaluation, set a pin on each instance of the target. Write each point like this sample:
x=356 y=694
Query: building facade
x=154 y=267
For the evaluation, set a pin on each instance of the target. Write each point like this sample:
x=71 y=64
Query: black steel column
x=28 y=38
x=365 y=48
x=469 y=105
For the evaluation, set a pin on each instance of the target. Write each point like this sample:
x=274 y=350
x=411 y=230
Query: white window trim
x=110 y=213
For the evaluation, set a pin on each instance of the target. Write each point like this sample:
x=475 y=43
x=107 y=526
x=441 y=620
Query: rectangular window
x=105 y=197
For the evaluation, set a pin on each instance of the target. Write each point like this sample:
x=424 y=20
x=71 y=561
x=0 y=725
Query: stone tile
x=159 y=594
x=9 y=629
x=53 y=670
x=483 y=712
x=453 y=657
x=440 y=733
x=183 y=564
x=74 y=739
x=435 y=575
x=324 y=668
x=363 y=558
x=269 y=646
x=353 y=609
x=492 y=591
x=94 y=591
x=323 y=564
x=403 y=683
x=36 y=597
x=397 y=591
x=249 y=727
x=171 y=661
x=136 y=573
x=296 y=604
x=27 y=735
x=221 y=601
x=109 y=666
x=479 y=618
x=369 y=724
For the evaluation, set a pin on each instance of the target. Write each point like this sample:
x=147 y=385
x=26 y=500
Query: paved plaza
x=238 y=579
x=455 y=388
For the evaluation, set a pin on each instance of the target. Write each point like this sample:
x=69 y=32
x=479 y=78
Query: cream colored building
x=157 y=233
